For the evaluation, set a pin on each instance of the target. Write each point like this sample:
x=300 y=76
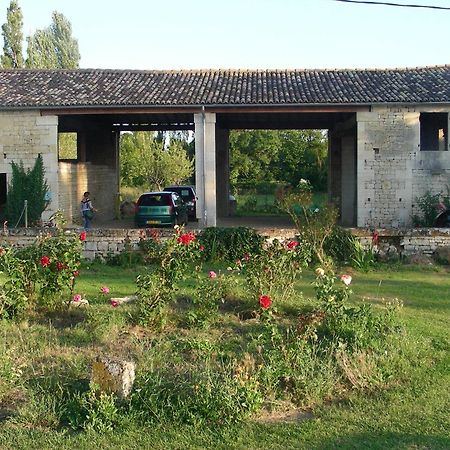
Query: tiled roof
x=109 y=88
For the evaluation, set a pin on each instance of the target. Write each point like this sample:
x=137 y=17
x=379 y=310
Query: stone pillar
x=205 y=168
x=348 y=181
x=223 y=171
x=334 y=169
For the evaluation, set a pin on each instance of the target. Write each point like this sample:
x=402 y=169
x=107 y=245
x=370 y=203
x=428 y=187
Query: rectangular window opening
x=434 y=131
x=68 y=146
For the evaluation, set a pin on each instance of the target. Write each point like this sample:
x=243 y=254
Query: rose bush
x=42 y=274
x=173 y=258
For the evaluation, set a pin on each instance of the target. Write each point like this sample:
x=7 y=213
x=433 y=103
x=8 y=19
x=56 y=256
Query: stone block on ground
x=113 y=376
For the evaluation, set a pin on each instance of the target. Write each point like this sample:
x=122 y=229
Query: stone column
x=47 y=146
x=348 y=181
x=334 y=169
x=205 y=168
x=223 y=171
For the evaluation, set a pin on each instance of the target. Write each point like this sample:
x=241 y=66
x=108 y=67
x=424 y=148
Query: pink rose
x=212 y=274
x=104 y=290
x=346 y=279
x=114 y=303
x=76 y=298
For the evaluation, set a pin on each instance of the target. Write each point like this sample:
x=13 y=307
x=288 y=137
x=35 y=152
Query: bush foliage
x=29 y=185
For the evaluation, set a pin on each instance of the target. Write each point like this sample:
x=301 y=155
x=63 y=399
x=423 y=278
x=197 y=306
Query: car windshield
x=155 y=200
x=185 y=193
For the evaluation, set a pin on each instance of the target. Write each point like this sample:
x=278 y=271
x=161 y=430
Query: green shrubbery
x=41 y=275
x=27 y=185
x=230 y=244
x=255 y=353
x=429 y=206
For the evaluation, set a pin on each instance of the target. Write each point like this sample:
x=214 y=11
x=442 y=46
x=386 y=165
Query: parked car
x=187 y=193
x=160 y=208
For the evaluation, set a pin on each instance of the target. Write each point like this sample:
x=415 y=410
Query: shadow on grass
x=384 y=441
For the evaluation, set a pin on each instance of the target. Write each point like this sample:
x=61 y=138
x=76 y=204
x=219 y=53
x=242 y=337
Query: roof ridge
x=226 y=70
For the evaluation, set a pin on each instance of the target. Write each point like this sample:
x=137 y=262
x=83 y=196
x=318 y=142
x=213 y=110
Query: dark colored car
x=160 y=208
x=187 y=193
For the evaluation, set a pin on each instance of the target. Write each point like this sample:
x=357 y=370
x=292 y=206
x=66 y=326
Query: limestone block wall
x=101 y=243
x=23 y=136
x=407 y=242
x=76 y=178
x=391 y=169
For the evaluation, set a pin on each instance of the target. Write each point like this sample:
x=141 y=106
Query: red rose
x=292 y=244
x=83 y=236
x=76 y=273
x=59 y=266
x=45 y=261
x=186 y=238
x=201 y=248
x=265 y=301
x=375 y=238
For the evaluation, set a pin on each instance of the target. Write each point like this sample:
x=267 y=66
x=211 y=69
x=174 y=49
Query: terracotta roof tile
x=105 y=88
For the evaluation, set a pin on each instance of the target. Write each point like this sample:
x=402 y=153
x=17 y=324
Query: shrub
x=43 y=273
x=209 y=293
x=94 y=412
x=155 y=289
x=314 y=225
x=203 y=396
x=429 y=206
x=230 y=244
x=354 y=327
x=27 y=185
x=273 y=271
x=340 y=245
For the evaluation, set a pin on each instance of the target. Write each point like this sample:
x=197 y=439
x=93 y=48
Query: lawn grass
x=42 y=355
x=250 y=203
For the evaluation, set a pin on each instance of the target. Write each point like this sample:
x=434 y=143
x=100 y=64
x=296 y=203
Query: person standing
x=87 y=210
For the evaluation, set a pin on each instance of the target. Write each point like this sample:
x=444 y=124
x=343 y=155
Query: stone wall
x=392 y=170
x=23 y=136
x=103 y=243
x=76 y=178
x=407 y=242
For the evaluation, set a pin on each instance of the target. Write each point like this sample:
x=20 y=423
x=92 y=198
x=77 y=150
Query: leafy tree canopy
x=146 y=162
x=53 y=47
x=282 y=156
x=12 y=57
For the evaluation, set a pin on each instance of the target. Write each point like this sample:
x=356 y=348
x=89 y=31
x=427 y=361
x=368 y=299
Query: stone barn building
x=387 y=130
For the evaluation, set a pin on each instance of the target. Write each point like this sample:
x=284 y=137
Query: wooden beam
x=213 y=109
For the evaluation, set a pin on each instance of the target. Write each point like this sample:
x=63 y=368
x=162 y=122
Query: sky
x=252 y=34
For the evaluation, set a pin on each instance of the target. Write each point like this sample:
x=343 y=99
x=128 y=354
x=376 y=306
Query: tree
x=144 y=162
x=252 y=154
x=282 y=156
x=28 y=185
x=303 y=154
x=12 y=57
x=53 y=47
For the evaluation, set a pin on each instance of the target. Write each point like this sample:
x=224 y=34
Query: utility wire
x=394 y=4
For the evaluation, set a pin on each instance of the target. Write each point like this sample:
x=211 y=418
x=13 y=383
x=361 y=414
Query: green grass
x=46 y=354
x=249 y=204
